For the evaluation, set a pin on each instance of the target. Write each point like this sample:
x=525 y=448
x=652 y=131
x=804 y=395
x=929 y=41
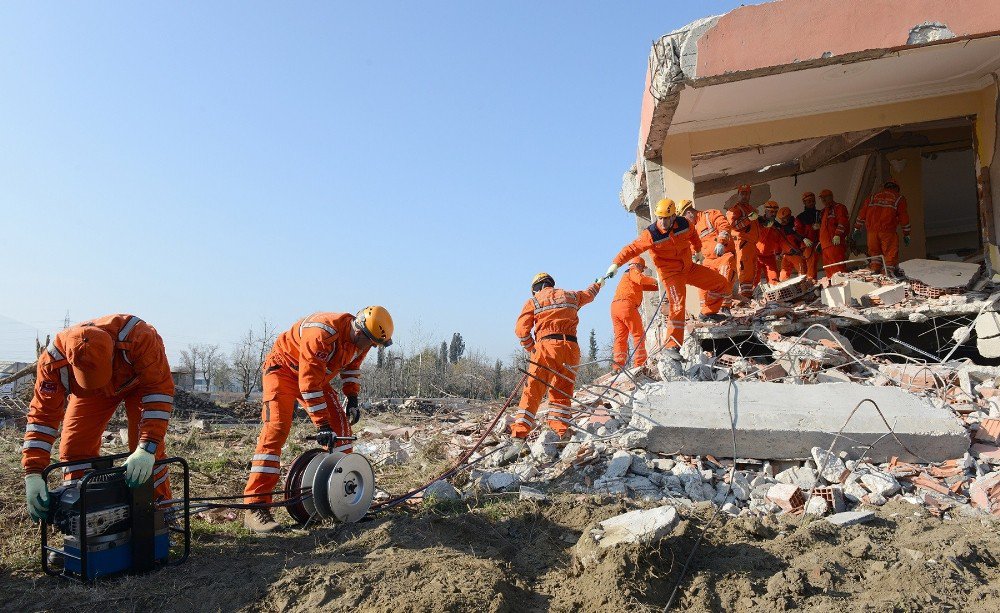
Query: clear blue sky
x=208 y=164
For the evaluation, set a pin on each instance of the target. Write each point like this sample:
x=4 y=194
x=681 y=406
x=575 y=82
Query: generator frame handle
x=85 y=481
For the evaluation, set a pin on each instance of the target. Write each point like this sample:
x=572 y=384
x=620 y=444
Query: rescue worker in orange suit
x=625 y=318
x=299 y=368
x=672 y=240
x=769 y=243
x=716 y=244
x=880 y=215
x=82 y=376
x=807 y=225
x=546 y=328
x=834 y=222
x=742 y=218
x=792 y=244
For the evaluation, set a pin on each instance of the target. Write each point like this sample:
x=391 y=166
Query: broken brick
x=929 y=483
x=772 y=372
x=989 y=431
x=787 y=496
x=985 y=493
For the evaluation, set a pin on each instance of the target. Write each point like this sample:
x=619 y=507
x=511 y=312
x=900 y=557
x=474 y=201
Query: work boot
x=260 y=521
x=513 y=451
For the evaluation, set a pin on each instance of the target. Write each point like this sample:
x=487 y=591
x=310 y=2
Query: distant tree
x=498 y=379
x=247 y=358
x=380 y=357
x=457 y=348
x=443 y=356
x=189 y=361
x=211 y=361
x=593 y=345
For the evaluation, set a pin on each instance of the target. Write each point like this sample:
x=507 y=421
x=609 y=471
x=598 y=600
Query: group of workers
x=89 y=369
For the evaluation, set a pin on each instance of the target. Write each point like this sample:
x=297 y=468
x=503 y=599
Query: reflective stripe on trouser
x=84 y=425
x=746 y=267
x=885 y=244
x=281 y=391
x=834 y=253
x=725 y=265
x=768 y=266
x=627 y=322
x=561 y=357
x=791 y=265
x=675 y=284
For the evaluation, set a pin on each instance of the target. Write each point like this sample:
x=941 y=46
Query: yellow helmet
x=542 y=277
x=684 y=206
x=376 y=323
x=666 y=208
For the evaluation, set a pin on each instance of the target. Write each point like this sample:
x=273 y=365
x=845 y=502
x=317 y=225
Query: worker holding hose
x=546 y=328
x=298 y=369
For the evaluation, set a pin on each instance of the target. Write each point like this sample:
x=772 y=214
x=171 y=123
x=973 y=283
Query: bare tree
x=189 y=361
x=248 y=357
x=210 y=360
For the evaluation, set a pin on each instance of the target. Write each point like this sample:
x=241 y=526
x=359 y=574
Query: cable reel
x=342 y=486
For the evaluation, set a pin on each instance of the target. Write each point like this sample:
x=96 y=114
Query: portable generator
x=111 y=529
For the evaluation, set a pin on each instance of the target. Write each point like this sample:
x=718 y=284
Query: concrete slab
x=942 y=275
x=780 y=421
x=849 y=518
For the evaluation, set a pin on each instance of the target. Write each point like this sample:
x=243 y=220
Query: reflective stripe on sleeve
x=558 y=305
x=266 y=457
x=155 y=415
x=159 y=469
x=311 y=395
x=160 y=481
x=37 y=445
x=64 y=377
x=131 y=323
x=265 y=469
x=40 y=428
x=158 y=398
x=55 y=353
x=316 y=324
x=350 y=380
x=317 y=408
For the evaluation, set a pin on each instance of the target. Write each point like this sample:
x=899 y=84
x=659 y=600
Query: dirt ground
x=500 y=554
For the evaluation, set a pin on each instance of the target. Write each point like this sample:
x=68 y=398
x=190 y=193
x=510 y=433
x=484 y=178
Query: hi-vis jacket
x=319 y=348
x=671 y=248
x=712 y=227
x=552 y=311
x=883 y=212
x=139 y=367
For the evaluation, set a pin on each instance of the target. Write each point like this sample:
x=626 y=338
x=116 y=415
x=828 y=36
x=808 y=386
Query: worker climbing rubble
x=546 y=328
x=807 y=225
x=834 y=221
x=792 y=245
x=716 y=243
x=769 y=244
x=671 y=239
x=82 y=376
x=299 y=368
x=880 y=215
x=742 y=218
x=625 y=317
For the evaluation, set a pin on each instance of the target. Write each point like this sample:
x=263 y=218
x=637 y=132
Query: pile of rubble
x=411 y=405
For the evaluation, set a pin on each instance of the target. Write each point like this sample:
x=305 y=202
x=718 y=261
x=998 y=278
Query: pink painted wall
x=778 y=33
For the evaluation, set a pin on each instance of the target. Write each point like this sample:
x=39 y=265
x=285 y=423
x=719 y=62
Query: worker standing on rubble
x=881 y=214
x=82 y=376
x=625 y=318
x=834 y=221
x=769 y=243
x=716 y=244
x=671 y=240
x=546 y=328
x=742 y=218
x=298 y=369
x=793 y=245
x=807 y=225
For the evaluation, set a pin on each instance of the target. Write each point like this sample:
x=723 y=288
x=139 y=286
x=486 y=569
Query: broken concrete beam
x=849 y=518
x=778 y=421
x=939 y=274
x=836 y=295
x=889 y=295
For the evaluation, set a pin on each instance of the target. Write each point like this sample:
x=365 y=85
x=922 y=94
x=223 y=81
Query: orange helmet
x=743 y=189
x=784 y=214
x=806 y=195
x=825 y=193
x=637 y=262
x=770 y=205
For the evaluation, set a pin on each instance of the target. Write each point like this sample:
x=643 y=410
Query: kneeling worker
x=88 y=370
x=546 y=328
x=299 y=368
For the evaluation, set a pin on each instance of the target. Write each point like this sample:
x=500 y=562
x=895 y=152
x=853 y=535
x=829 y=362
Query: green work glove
x=836 y=240
x=138 y=467
x=37 y=494
x=807 y=242
x=719 y=249
x=906 y=241
x=611 y=271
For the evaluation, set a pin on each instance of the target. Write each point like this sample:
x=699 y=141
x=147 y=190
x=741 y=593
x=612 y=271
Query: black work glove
x=325 y=437
x=353 y=410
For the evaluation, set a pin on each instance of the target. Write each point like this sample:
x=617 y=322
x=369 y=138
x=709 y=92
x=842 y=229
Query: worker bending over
x=834 y=222
x=546 y=328
x=82 y=376
x=793 y=245
x=299 y=368
x=880 y=214
x=671 y=239
x=716 y=244
x=625 y=318
x=807 y=225
x=742 y=218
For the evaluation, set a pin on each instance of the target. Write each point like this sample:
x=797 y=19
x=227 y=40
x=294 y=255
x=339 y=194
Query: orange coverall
x=746 y=234
x=834 y=221
x=881 y=214
x=671 y=249
x=299 y=368
x=807 y=225
x=552 y=314
x=791 y=248
x=140 y=377
x=768 y=248
x=713 y=228
x=625 y=317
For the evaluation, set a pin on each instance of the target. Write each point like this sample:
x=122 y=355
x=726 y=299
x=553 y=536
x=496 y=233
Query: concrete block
x=890 y=294
x=778 y=421
x=882 y=484
x=850 y=518
x=499 y=481
x=836 y=295
x=830 y=466
x=803 y=477
x=641 y=526
x=663 y=464
x=544 y=447
x=620 y=462
x=642 y=488
x=639 y=466
x=441 y=490
x=530 y=493
x=788 y=497
x=817 y=505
